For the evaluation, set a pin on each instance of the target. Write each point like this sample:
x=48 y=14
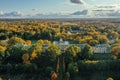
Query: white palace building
x=98 y=48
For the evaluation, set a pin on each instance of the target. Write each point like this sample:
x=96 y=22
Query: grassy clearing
x=99 y=56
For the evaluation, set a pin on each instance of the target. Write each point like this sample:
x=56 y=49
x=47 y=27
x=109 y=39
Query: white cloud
x=77 y=14
x=83 y=12
x=1 y=13
x=11 y=14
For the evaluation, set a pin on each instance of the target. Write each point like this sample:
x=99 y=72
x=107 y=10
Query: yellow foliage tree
x=40 y=42
x=110 y=78
x=2 y=48
x=33 y=55
x=116 y=51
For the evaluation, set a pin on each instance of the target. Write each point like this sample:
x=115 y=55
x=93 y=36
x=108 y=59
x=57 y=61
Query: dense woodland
x=21 y=50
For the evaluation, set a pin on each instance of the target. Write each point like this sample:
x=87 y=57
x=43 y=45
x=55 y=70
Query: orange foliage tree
x=28 y=42
x=54 y=76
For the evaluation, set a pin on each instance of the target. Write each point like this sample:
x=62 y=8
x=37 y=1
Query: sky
x=59 y=8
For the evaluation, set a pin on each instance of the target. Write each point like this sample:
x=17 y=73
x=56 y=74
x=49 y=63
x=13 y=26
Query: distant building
x=64 y=44
x=101 y=48
x=98 y=48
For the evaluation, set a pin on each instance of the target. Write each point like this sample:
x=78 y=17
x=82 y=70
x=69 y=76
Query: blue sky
x=59 y=8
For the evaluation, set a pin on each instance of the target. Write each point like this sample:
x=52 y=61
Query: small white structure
x=62 y=44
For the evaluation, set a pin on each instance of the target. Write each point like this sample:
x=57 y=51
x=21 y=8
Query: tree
x=35 y=51
x=40 y=42
x=110 y=78
x=46 y=42
x=77 y=39
x=28 y=42
x=26 y=58
x=16 y=53
x=67 y=76
x=72 y=50
x=2 y=52
x=73 y=68
x=103 y=39
x=15 y=40
x=46 y=34
x=116 y=51
x=71 y=54
x=93 y=42
x=52 y=51
x=87 y=52
x=54 y=76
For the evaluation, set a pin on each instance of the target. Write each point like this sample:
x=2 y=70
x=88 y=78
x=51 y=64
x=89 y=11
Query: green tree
x=16 y=53
x=73 y=68
x=87 y=52
x=67 y=76
x=71 y=54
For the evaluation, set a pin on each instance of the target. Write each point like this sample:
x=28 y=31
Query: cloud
x=11 y=14
x=77 y=1
x=105 y=10
x=109 y=6
x=106 y=13
x=86 y=13
x=1 y=13
x=34 y=9
x=114 y=14
x=83 y=12
x=50 y=15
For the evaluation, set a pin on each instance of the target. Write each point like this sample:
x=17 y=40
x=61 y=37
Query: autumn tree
x=26 y=58
x=54 y=76
x=40 y=42
x=52 y=51
x=35 y=51
x=72 y=50
x=116 y=51
x=2 y=53
x=93 y=42
x=28 y=42
x=15 y=40
x=103 y=39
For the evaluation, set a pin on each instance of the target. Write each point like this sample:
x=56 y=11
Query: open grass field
x=100 y=56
